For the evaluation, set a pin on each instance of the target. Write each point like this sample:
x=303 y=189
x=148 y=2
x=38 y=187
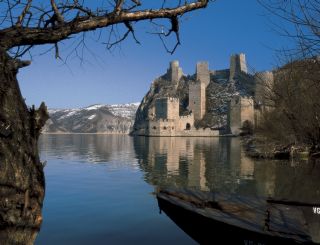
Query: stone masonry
x=264 y=85
x=240 y=109
x=197 y=99
x=174 y=72
x=167 y=108
x=197 y=90
x=163 y=112
x=237 y=64
x=203 y=73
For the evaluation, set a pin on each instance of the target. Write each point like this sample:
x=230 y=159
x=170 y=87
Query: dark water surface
x=99 y=187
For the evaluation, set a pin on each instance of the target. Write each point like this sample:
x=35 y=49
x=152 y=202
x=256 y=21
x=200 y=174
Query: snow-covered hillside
x=97 y=118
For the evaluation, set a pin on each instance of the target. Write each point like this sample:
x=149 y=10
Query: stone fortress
x=208 y=103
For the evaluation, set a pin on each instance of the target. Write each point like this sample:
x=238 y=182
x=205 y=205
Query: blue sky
x=125 y=74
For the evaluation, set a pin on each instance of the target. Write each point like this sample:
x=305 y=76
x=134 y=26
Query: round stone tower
x=174 y=72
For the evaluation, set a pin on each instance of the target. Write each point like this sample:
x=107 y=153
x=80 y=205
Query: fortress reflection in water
x=210 y=164
x=220 y=165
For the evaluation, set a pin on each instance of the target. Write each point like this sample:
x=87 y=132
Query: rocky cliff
x=113 y=119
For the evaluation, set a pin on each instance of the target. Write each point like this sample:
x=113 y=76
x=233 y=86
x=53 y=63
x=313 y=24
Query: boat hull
x=206 y=230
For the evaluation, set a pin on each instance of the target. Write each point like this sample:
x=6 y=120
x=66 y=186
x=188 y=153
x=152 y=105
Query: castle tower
x=203 y=73
x=240 y=109
x=238 y=64
x=263 y=86
x=264 y=82
x=174 y=72
x=197 y=90
x=167 y=108
x=197 y=99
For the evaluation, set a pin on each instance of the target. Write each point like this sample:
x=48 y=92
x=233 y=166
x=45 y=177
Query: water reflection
x=207 y=164
x=88 y=148
x=220 y=165
x=96 y=194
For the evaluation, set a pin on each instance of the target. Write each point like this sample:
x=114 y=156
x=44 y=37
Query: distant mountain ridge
x=98 y=118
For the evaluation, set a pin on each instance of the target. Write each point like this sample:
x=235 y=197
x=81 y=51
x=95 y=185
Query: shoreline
x=67 y=133
x=149 y=136
x=257 y=147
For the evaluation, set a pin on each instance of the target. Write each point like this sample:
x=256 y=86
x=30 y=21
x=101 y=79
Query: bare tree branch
x=24 y=12
x=130 y=30
x=302 y=18
x=57 y=14
x=44 y=33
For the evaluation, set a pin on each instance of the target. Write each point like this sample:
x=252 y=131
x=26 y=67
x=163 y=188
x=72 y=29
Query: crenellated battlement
x=168 y=99
x=162 y=120
x=173 y=99
x=190 y=116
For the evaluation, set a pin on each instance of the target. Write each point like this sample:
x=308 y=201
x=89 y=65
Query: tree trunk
x=22 y=184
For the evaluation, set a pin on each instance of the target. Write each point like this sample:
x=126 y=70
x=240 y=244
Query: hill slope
x=112 y=119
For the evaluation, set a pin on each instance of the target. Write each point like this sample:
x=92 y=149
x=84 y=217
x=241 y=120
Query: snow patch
x=91 y=117
x=72 y=112
x=135 y=104
x=94 y=107
x=69 y=112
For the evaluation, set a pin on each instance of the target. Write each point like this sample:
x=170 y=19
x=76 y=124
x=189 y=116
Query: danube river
x=99 y=188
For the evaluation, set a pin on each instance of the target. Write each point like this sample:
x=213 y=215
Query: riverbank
x=67 y=133
x=257 y=146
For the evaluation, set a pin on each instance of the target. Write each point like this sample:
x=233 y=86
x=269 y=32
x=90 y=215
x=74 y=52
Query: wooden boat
x=212 y=217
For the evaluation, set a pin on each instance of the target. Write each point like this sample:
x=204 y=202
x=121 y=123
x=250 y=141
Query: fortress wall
x=221 y=74
x=234 y=115
x=151 y=113
x=183 y=121
x=171 y=128
x=203 y=73
x=161 y=108
x=198 y=133
x=161 y=128
x=167 y=108
x=173 y=108
x=240 y=110
x=264 y=82
x=247 y=110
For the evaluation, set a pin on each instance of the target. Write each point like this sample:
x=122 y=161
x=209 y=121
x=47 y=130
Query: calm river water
x=99 y=188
